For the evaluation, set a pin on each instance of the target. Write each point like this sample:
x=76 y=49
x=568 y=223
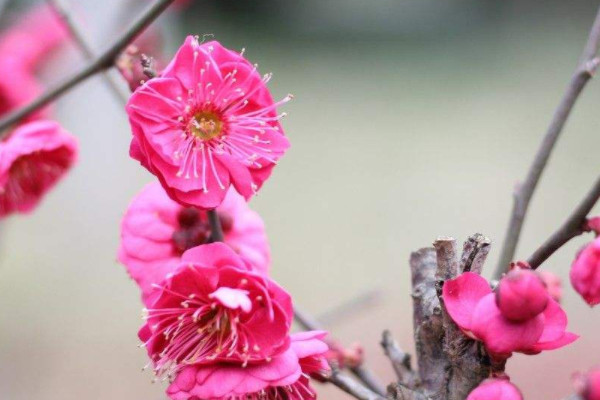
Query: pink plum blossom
x=472 y=305
x=215 y=308
x=553 y=284
x=156 y=231
x=588 y=384
x=285 y=377
x=207 y=123
x=585 y=273
x=23 y=48
x=521 y=295
x=34 y=157
x=495 y=389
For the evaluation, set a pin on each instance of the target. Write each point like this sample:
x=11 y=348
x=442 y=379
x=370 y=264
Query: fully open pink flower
x=32 y=160
x=214 y=307
x=588 y=384
x=207 y=123
x=23 y=48
x=285 y=377
x=495 y=389
x=585 y=273
x=155 y=232
x=472 y=305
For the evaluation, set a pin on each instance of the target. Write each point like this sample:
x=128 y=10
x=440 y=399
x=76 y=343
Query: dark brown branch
x=400 y=360
x=62 y=11
x=216 y=230
x=524 y=192
x=307 y=322
x=104 y=61
x=574 y=226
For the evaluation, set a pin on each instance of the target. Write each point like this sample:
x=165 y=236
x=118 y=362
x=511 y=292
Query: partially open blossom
x=212 y=308
x=588 y=384
x=345 y=357
x=472 y=305
x=285 y=377
x=23 y=46
x=553 y=284
x=207 y=123
x=521 y=295
x=495 y=389
x=585 y=273
x=156 y=231
x=593 y=224
x=32 y=160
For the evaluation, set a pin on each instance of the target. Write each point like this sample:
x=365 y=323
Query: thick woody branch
x=475 y=251
x=400 y=360
x=361 y=372
x=103 y=62
x=574 y=226
x=524 y=192
x=61 y=9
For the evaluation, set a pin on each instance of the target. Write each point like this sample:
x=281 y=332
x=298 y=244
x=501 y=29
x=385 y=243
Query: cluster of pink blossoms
x=217 y=326
x=37 y=152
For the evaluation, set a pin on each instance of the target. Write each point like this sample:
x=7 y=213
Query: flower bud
x=553 y=284
x=585 y=273
x=588 y=385
x=521 y=295
x=495 y=389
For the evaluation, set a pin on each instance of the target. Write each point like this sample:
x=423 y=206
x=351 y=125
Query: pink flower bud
x=588 y=385
x=585 y=273
x=521 y=295
x=553 y=284
x=495 y=389
x=593 y=224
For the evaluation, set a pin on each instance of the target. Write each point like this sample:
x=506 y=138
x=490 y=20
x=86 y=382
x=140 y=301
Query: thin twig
x=63 y=12
x=524 y=192
x=148 y=66
x=352 y=387
x=399 y=358
x=309 y=323
x=216 y=230
x=104 y=61
x=574 y=226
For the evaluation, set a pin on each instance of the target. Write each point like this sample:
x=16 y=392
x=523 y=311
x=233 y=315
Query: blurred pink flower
x=207 y=123
x=553 y=284
x=155 y=231
x=521 y=295
x=585 y=273
x=495 y=389
x=23 y=47
x=212 y=308
x=284 y=377
x=588 y=384
x=472 y=305
x=32 y=160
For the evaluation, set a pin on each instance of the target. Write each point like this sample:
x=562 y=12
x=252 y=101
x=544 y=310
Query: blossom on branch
x=585 y=273
x=473 y=306
x=33 y=159
x=553 y=284
x=207 y=123
x=495 y=389
x=285 y=377
x=215 y=308
x=156 y=231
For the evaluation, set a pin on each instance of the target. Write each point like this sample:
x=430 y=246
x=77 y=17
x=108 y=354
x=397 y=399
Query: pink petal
x=461 y=296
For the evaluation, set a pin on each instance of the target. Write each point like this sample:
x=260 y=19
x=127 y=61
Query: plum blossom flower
x=588 y=384
x=156 y=231
x=215 y=308
x=472 y=305
x=23 y=48
x=33 y=159
x=495 y=389
x=521 y=295
x=285 y=377
x=585 y=273
x=207 y=123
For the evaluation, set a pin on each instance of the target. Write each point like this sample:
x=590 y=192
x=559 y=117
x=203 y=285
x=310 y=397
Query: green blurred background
x=412 y=119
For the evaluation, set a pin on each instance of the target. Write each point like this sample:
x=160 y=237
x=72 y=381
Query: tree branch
x=63 y=12
x=361 y=372
x=352 y=387
x=216 y=230
x=574 y=226
x=104 y=61
x=523 y=194
x=400 y=360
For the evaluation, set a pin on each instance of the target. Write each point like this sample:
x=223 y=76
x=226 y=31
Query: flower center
x=205 y=125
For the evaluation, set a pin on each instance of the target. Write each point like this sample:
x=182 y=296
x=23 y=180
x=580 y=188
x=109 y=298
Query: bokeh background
x=412 y=119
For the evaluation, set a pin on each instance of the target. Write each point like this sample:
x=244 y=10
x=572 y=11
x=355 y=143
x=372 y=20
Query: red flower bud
x=521 y=295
